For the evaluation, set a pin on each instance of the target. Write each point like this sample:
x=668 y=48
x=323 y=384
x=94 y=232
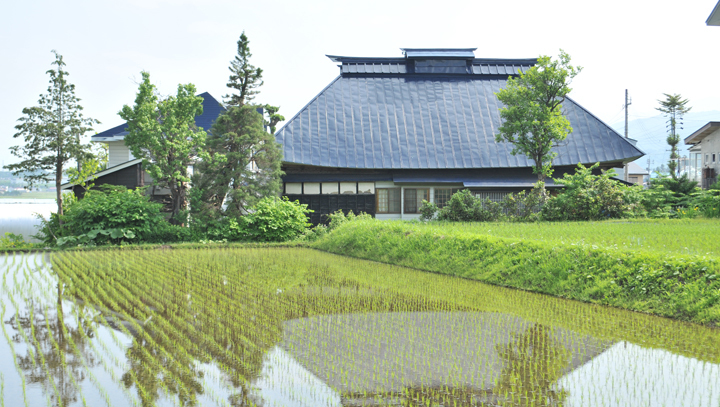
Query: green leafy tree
x=51 y=131
x=673 y=108
x=163 y=133
x=84 y=175
x=532 y=117
x=244 y=77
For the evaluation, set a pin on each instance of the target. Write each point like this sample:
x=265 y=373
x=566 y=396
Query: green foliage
x=707 y=202
x=111 y=214
x=97 y=236
x=244 y=165
x=244 y=77
x=51 y=132
x=273 y=117
x=84 y=175
x=671 y=197
x=523 y=206
x=533 y=121
x=591 y=197
x=428 y=210
x=275 y=220
x=14 y=241
x=679 y=286
x=673 y=107
x=163 y=133
x=463 y=206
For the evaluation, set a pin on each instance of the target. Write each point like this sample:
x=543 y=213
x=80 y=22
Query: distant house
x=704 y=165
x=388 y=133
x=637 y=174
x=124 y=169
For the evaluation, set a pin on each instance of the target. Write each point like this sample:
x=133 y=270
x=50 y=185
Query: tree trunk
x=58 y=192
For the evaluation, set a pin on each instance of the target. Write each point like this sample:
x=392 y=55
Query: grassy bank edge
x=682 y=287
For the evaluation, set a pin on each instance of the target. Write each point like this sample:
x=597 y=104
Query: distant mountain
x=651 y=133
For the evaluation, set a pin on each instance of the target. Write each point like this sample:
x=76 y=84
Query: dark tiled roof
x=410 y=121
x=211 y=110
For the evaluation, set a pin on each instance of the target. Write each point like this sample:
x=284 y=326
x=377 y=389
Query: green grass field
x=676 y=236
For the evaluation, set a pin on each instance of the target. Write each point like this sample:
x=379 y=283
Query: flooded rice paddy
x=19 y=216
x=297 y=327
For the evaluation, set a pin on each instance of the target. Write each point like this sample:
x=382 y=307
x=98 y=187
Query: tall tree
x=244 y=77
x=533 y=120
x=673 y=108
x=245 y=159
x=246 y=162
x=51 y=131
x=163 y=133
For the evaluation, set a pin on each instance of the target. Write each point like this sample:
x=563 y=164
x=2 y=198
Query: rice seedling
x=300 y=327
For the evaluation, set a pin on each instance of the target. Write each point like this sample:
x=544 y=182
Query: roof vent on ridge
x=439 y=53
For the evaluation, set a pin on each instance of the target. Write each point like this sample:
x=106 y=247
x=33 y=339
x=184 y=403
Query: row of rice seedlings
x=210 y=295
x=141 y=354
x=100 y=354
x=14 y=355
x=40 y=359
x=43 y=284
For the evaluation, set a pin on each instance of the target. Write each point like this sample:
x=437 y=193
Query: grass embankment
x=652 y=280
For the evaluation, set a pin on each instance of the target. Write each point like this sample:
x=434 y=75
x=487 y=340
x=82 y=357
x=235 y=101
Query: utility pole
x=628 y=102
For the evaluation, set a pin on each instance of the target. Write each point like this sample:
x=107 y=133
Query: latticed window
x=388 y=200
x=443 y=195
x=414 y=198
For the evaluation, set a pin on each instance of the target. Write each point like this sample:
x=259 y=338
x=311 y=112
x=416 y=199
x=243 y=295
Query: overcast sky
x=648 y=47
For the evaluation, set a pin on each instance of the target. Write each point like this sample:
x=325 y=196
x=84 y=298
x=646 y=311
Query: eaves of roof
x=107 y=171
x=701 y=133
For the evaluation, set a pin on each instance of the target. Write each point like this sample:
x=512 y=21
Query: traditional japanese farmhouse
x=390 y=132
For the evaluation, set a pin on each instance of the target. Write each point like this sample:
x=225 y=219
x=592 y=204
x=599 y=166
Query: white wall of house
x=118 y=153
x=710 y=147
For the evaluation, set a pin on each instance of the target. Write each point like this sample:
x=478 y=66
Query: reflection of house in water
x=472 y=357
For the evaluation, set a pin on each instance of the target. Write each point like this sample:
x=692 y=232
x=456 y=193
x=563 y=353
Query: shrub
x=109 y=208
x=275 y=220
x=13 y=241
x=428 y=210
x=590 y=197
x=670 y=197
x=708 y=203
x=463 y=206
x=523 y=206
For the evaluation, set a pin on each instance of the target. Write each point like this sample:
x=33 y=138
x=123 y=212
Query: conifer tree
x=244 y=77
x=673 y=108
x=244 y=162
x=51 y=131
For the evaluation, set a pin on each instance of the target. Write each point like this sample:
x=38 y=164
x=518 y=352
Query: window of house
x=706 y=159
x=713 y=156
x=388 y=200
x=443 y=195
x=413 y=199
